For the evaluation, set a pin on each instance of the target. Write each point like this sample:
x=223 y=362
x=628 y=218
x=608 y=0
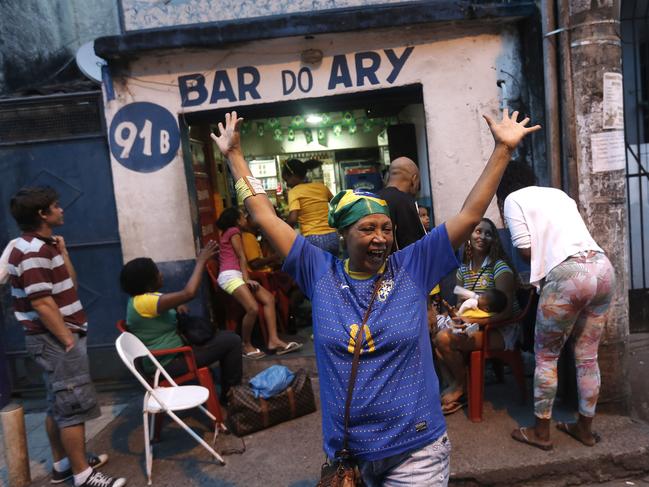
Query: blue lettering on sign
x=248 y=86
x=397 y=62
x=222 y=88
x=192 y=90
x=144 y=137
x=289 y=82
x=369 y=72
x=339 y=72
x=305 y=86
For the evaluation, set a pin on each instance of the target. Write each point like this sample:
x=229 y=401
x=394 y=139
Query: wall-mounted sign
x=144 y=137
x=613 y=109
x=361 y=69
x=609 y=153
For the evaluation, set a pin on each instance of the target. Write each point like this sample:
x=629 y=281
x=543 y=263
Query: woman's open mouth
x=376 y=256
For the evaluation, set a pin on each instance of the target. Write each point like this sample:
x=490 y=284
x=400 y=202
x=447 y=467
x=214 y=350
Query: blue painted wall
x=80 y=171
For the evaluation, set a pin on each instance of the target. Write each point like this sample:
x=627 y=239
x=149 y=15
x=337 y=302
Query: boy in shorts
x=46 y=304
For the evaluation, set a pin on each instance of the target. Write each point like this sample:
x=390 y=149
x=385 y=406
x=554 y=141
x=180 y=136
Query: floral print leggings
x=574 y=301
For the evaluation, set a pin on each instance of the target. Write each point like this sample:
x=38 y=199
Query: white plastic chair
x=162 y=399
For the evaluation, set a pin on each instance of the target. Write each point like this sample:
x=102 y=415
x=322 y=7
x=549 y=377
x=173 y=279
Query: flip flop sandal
x=290 y=347
x=460 y=399
x=565 y=428
x=256 y=354
x=520 y=435
x=452 y=407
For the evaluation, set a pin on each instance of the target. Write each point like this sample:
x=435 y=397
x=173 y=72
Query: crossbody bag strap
x=358 y=343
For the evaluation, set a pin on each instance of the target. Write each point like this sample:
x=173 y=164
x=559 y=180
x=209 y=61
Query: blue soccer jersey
x=396 y=404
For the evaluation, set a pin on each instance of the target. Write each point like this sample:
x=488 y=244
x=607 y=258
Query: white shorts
x=230 y=281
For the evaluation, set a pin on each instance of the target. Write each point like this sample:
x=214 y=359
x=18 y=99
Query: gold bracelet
x=248 y=186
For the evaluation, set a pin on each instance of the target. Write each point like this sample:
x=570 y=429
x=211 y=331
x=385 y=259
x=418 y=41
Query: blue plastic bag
x=271 y=381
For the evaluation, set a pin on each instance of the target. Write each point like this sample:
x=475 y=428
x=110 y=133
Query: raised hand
x=509 y=132
x=207 y=252
x=229 y=138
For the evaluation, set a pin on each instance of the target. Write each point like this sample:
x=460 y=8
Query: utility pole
x=592 y=59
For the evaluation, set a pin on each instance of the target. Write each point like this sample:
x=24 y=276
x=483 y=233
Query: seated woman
x=151 y=316
x=485 y=266
x=233 y=279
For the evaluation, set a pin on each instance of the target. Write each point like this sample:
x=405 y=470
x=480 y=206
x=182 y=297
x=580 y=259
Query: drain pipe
x=568 y=122
x=552 y=110
x=12 y=418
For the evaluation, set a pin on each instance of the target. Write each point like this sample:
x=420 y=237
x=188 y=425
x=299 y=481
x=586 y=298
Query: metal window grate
x=635 y=53
x=40 y=119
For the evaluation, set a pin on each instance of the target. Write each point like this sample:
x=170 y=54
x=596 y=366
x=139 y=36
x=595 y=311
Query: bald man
x=400 y=192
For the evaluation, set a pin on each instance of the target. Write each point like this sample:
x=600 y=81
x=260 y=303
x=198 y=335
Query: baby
x=476 y=305
x=483 y=305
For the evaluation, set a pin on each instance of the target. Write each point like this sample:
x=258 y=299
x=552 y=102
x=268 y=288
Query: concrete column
x=594 y=49
x=14 y=437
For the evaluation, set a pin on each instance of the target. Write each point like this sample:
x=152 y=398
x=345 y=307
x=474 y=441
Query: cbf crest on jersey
x=386 y=288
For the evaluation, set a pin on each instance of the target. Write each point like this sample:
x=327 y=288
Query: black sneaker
x=93 y=460
x=98 y=479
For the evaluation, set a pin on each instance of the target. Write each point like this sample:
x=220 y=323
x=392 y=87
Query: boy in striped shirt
x=46 y=304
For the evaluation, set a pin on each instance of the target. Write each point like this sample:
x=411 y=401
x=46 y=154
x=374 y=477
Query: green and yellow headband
x=349 y=206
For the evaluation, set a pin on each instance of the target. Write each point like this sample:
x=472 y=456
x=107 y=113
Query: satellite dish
x=89 y=63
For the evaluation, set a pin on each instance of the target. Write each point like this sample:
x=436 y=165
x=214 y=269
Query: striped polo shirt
x=483 y=278
x=37 y=269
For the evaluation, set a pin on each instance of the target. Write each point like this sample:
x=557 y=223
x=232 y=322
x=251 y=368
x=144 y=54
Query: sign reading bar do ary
x=362 y=69
x=145 y=137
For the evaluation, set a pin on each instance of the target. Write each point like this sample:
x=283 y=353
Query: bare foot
x=579 y=433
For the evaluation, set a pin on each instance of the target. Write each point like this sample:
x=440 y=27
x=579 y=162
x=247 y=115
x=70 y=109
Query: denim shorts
x=71 y=396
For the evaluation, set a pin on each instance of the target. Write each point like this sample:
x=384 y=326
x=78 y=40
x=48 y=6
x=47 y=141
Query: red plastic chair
x=511 y=357
x=281 y=299
x=233 y=310
x=202 y=375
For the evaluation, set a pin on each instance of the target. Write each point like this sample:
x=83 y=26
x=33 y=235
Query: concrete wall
x=145 y=14
x=40 y=37
x=457 y=66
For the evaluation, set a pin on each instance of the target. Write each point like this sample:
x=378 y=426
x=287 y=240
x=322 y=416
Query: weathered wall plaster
x=147 y=14
x=457 y=66
x=40 y=38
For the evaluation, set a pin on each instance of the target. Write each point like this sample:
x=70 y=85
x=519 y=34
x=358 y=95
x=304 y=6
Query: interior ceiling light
x=313 y=119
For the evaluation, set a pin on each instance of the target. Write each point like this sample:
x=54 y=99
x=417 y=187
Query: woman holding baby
x=484 y=266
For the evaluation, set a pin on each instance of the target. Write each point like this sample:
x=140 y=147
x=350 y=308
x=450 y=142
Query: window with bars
x=46 y=118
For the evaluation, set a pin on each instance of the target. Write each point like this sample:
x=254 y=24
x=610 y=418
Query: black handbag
x=195 y=330
x=343 y=470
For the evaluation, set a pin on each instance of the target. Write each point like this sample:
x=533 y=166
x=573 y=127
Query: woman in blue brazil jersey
x=396 y=430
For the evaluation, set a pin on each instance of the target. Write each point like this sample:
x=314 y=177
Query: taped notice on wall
x=613 y=109
x=608 y=151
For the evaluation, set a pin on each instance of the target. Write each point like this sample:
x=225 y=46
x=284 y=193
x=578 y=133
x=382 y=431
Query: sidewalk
x=40 y=464
x=290 y=454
